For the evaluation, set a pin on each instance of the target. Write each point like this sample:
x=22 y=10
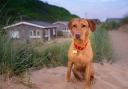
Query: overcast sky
x=101 y=9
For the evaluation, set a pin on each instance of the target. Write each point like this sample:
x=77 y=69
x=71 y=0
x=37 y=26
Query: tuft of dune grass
x=101 y=45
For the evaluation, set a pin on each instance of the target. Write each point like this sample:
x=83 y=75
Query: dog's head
x=80 y=28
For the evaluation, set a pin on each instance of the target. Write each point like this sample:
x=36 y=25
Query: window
x=14 y=34
x=35 y=34
x=31 y=33
x=38 y=33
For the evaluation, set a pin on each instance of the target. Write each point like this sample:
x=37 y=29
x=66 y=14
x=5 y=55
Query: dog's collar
x=79 y=47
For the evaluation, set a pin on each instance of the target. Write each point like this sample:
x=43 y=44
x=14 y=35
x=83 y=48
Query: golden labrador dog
x=80 y=53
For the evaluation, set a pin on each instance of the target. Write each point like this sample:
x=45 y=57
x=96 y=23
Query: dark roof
x=114 y=18
x=41 y=23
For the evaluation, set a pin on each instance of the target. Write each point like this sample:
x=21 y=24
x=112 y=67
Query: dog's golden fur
x=80 y=61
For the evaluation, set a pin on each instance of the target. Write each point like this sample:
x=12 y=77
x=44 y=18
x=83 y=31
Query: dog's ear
x=92 y=25
x=69 y=24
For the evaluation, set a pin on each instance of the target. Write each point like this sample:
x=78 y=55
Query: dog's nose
x=77 y=35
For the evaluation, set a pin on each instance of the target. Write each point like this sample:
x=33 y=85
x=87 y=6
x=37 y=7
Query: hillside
x=11 y=10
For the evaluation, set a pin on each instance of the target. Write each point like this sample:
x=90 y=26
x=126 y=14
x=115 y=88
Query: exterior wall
x=28 y=29
x=23 y=37
x=24 y=33
x=63 y=28
x=51 y=33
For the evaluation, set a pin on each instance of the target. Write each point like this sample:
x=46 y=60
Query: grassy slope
x=32 y=9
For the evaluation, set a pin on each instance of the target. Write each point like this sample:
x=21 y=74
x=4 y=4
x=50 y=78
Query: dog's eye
x=83 y=25
x=74 y=26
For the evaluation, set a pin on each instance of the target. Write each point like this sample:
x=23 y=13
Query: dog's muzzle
x=77 y=35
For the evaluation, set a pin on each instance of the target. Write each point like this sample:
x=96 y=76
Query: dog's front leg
x=88 y=77
x=69 y=70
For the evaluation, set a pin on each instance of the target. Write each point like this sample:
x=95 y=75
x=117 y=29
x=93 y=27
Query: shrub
x=59 y=33
x=22 y=60
x=54 y=55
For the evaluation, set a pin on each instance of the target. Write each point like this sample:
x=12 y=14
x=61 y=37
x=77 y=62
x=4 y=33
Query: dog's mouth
x=80 y=41
x=78 y=38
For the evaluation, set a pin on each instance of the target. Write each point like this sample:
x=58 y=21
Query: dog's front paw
x=93 y=79
x=87 y=87
x=67 y=79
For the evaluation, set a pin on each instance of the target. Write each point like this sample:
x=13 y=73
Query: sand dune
x=107 y=77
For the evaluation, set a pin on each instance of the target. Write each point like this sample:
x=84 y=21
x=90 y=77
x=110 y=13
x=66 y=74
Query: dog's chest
x=79 y=57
